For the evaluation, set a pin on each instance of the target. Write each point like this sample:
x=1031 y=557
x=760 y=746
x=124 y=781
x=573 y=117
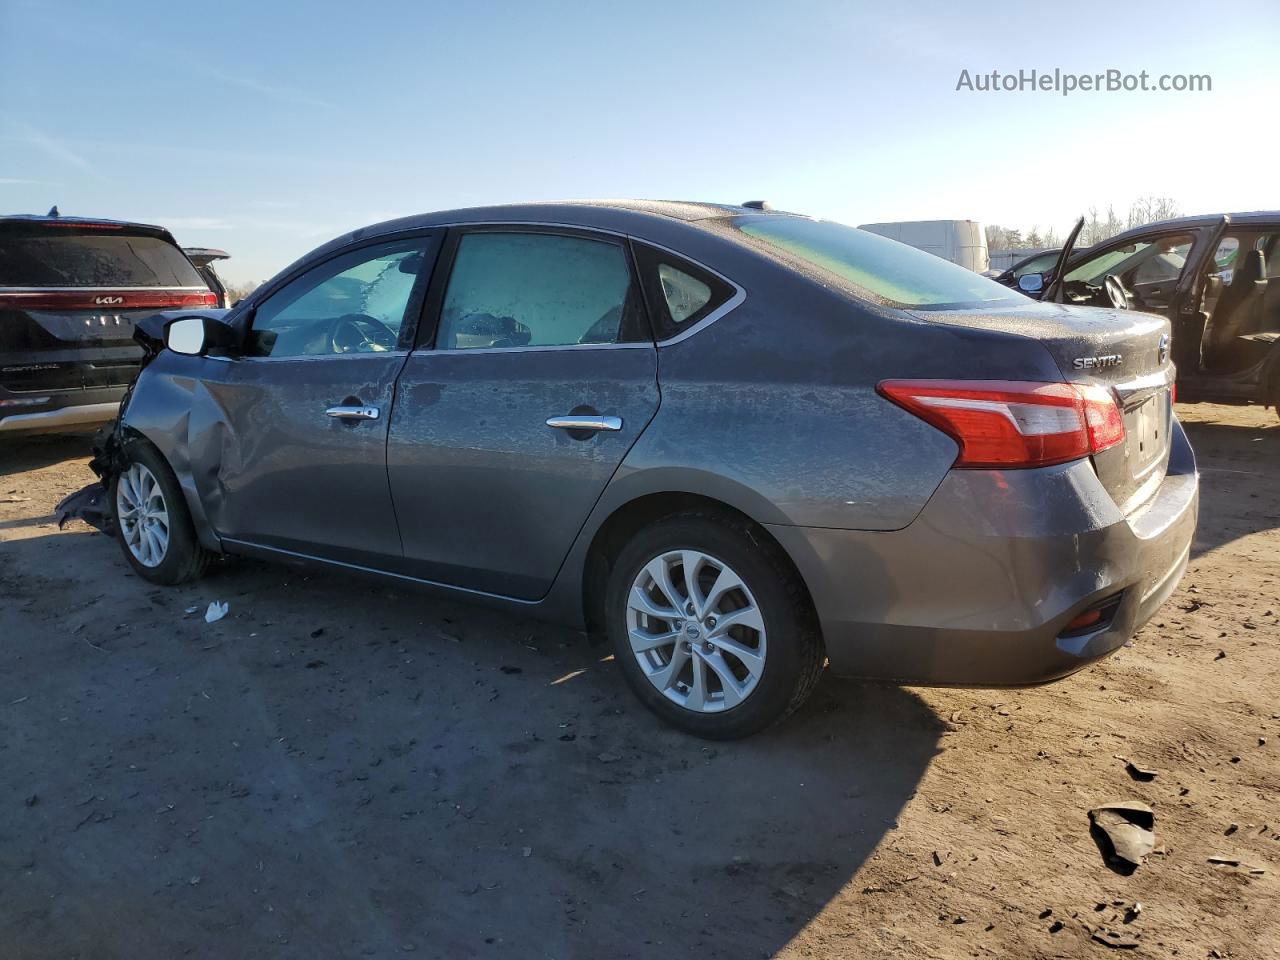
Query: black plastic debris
x=1139 y=773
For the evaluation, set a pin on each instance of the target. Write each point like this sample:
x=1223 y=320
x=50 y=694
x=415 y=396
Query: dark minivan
x=70 y=291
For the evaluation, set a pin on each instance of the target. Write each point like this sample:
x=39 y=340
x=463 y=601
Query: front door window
x=1147 y=270
x=357 y=303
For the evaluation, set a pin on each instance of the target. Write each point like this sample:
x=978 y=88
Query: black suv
x=1217 y=279
x=70 y=291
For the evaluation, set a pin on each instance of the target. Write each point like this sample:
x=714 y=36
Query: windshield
x=885 y=269
x=70 y=257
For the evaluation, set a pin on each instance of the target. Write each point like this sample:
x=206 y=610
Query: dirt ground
x=347 y=770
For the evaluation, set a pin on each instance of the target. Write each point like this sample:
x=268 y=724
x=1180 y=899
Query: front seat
x=1236 y=313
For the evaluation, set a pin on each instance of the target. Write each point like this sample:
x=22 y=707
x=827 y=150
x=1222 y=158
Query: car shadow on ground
x=339 y=768
x=1232 y=458
x=18 y=454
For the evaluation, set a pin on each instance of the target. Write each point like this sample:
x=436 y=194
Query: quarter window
x=356 y=303
x=510 y=290
x=679 y=294
x=684 y=295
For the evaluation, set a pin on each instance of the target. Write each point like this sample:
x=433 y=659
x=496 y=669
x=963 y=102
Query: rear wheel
x=151 y=519
x=712 y=626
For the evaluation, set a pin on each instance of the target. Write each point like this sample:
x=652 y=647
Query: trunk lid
x=1123 y=350
x=70 y=293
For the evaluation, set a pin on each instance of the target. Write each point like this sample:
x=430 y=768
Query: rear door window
x=40 y=256
x=510 y=289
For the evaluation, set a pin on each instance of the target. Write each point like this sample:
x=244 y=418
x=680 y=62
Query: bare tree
x=1150 y=209
x=1114 y=224
x=1097 y=227
x=238 y=291
x=1141 y=212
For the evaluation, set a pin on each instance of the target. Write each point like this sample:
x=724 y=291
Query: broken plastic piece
x=1127 y=831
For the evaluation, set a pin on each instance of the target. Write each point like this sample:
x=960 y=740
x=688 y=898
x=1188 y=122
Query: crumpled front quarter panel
x=167 y=398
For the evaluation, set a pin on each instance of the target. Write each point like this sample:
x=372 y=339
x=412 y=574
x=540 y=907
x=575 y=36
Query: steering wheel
x=1120 y=298
x=360 y=333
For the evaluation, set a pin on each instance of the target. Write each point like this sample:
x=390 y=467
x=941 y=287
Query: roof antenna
x=758 y=205
x=53 y=211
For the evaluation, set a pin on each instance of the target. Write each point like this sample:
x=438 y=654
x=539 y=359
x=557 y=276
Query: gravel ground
x=339 y=772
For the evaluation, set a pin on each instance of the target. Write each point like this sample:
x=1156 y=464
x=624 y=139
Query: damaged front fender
x=92 y=503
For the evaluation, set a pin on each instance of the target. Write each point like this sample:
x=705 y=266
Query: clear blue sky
x=267 y=128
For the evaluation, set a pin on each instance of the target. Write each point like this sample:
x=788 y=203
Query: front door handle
x=578 y=422
x=353 y=412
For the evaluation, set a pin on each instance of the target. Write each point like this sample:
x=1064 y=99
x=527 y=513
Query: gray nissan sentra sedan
x=741 y=443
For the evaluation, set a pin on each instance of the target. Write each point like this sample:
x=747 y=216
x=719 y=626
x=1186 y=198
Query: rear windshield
x=883 y=269
x=67 y=257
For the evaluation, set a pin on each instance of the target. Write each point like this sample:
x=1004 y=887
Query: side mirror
x=186 y=335
x=1031 y=283
x=203 y=336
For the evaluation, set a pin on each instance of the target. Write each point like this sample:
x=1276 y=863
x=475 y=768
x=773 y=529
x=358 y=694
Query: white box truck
x=960 y=241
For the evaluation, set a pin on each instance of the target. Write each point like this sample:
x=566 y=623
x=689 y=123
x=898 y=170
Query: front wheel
x=711 y=625
x=152 y=522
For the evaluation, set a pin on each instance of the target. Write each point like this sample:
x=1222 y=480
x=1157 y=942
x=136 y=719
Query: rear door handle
x=353 y=412
x=571 y=422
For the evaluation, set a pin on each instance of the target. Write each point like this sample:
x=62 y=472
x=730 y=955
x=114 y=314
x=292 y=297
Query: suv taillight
x=110 y=302
x=1013 y=423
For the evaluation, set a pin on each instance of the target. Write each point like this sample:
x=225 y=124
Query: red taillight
x=1012 y=423
x=81 y=225
x=105 y=301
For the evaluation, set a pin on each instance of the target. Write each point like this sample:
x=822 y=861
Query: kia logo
x=107 y=301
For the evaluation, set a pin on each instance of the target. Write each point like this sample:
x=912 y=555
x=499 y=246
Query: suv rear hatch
x=1125 y=351
x=70 y=291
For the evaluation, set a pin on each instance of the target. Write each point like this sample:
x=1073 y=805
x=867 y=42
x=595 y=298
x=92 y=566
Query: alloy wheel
x=143 y=515
x=696 y=631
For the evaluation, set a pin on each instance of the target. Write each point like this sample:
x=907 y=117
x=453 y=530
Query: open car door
x=1053 y=291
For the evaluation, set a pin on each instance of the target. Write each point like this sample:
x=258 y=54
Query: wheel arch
x=169 y=439
x=627 y=518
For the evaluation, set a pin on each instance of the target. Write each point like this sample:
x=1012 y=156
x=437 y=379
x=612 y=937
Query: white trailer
x=960 y=241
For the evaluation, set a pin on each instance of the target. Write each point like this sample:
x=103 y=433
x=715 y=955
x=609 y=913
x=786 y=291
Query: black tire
x=794 y=654
x=184 y=559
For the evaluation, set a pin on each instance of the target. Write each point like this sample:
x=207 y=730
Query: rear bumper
x=64 y=411
x=978 y=590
